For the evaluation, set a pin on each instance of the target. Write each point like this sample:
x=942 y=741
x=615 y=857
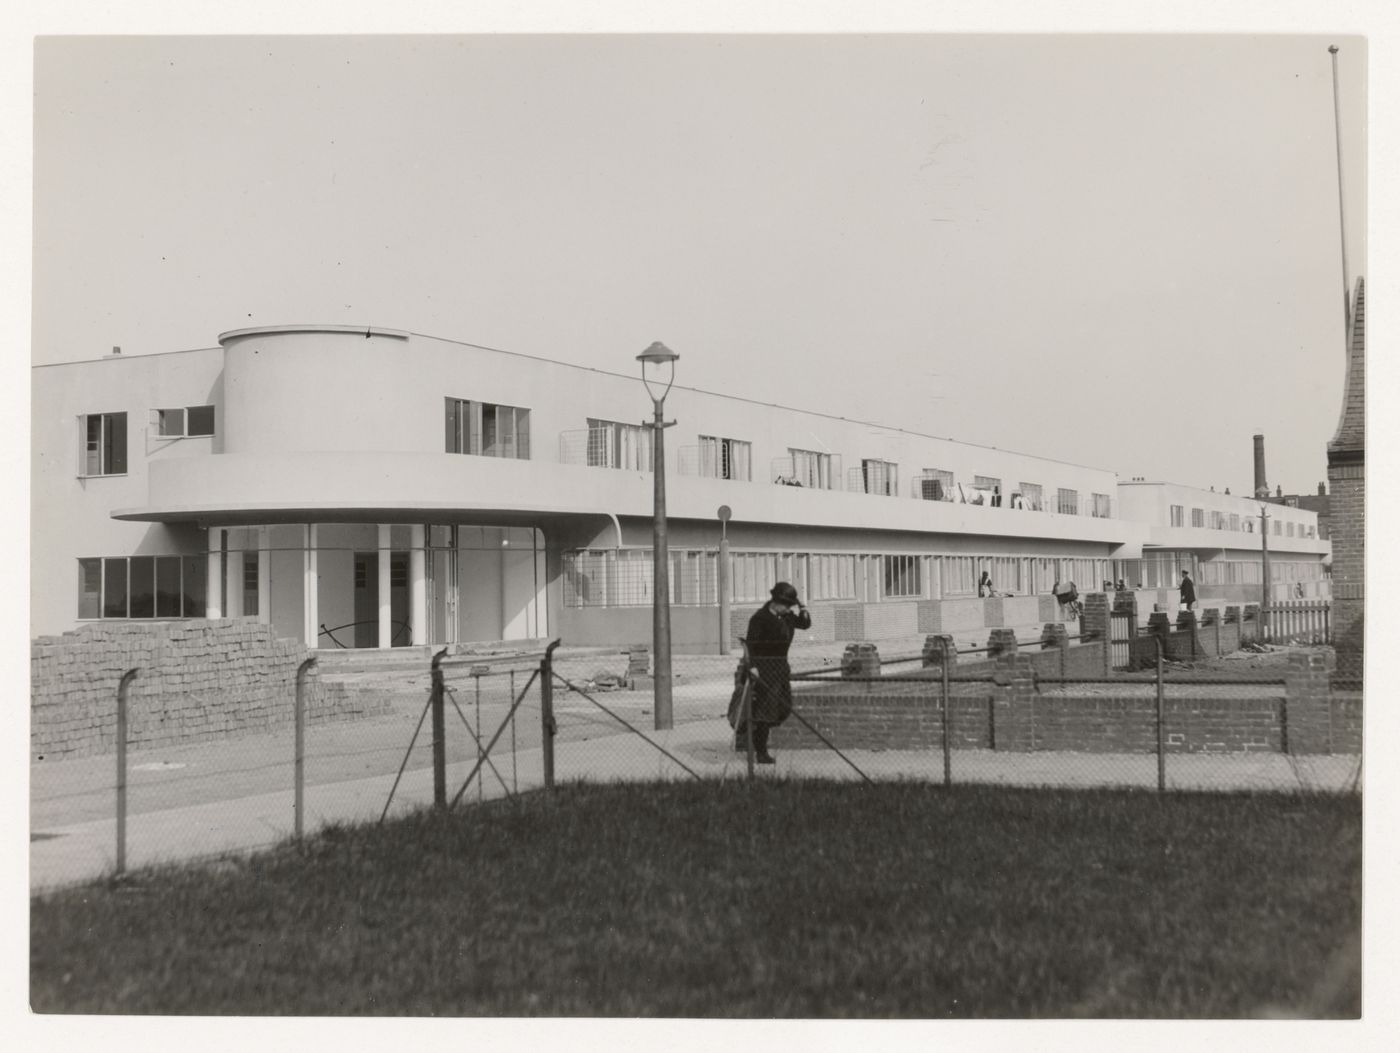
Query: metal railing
x=784 y=471
x=603 y=448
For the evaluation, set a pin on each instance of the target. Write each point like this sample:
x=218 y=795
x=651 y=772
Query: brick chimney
x=1261 y=484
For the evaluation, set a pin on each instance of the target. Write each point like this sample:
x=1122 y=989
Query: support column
x=214 y=576
x=265 y=574
x=418 y=585
x=385 y=636
x=311 y=618
x=233 y=578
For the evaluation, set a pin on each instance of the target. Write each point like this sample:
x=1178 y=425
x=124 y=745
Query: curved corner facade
x=367 y=487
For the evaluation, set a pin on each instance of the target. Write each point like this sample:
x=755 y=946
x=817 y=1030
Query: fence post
x=548 y=727
x=122 y=687
x=950 y=655
x=1161 y=722
x=299 y=755
x=439 y=734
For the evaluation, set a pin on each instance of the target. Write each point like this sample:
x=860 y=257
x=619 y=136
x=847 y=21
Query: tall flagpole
x=1341 y=206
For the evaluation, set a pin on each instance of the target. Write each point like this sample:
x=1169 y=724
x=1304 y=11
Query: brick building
x=1346 y=478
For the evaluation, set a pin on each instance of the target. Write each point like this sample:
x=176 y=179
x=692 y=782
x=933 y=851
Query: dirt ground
x=1253 y=658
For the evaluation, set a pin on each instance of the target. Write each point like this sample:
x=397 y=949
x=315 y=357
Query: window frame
x=474 y=429
x=721 y=457
x=158 y=419
x=813 y=469
x=112 y=445
x=901 y=576
x=113 y=574
x=936 y=484
x=606 y=446
x=886 y=470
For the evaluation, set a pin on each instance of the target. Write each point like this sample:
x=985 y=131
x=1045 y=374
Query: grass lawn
x=782 y=898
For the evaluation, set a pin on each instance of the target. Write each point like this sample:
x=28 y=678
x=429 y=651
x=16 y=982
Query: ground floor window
x=903 y=576
x=142 y=587
x=623 y=577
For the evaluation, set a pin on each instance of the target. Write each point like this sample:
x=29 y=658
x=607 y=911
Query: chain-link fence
x=362 y=744
x=189 y=777
x=1038 y=719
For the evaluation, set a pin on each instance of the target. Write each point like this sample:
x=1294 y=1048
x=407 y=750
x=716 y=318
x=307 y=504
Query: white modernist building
x=367 y=487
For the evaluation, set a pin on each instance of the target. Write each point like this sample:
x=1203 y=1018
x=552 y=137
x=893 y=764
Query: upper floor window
x=1103 y=506
x=1032 y=496
x=1278 y=527
x=104 y=444
x=988 y=488
x=879 y=477
x=1290 y=529
x=1067 y=502
x=1198 y=517
x=1178 y=515
x=187 y=421
x=1235 y=521
x=725 y=458
x=807 y=468
x=1217 y=519
x=934 y=484
x=612 y=444
x=487 y=429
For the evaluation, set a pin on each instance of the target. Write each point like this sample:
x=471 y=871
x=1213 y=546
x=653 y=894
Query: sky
x=1118 y=250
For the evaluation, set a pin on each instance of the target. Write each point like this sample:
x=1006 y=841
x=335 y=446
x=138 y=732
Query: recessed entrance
x=367 y=600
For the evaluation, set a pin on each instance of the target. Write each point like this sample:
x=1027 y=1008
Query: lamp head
x=658 y=368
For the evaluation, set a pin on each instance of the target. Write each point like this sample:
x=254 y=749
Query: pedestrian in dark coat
x=770 y=635
x=1188 y=591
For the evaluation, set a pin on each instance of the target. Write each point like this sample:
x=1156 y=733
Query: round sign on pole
x=724 y=513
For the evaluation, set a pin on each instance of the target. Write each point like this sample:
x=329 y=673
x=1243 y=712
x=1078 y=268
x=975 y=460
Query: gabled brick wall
x=1346 y=479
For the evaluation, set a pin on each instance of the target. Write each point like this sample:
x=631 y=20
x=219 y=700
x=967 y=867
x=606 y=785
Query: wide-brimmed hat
x=784 y=593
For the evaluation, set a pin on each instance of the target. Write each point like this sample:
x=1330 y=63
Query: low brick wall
x=1010 y=712
x=199 y=681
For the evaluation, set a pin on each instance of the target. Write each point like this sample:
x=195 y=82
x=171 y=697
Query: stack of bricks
x=638 y=666
x=197 y=681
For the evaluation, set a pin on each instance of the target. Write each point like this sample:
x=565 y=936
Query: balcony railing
x=930 y=486
x=879 y=479
x=824 y=475
x=708 y=463
x=606 y=448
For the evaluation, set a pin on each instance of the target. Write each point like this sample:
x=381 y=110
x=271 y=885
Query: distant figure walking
x=1188 y=591
x=984 y=587
x=770 y=635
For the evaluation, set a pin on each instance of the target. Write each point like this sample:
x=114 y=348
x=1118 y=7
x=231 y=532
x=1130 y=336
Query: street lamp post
x=1264 y=573
x=658 y=367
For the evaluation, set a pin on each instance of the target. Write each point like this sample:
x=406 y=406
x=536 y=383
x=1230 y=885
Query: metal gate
x=1121 y=631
